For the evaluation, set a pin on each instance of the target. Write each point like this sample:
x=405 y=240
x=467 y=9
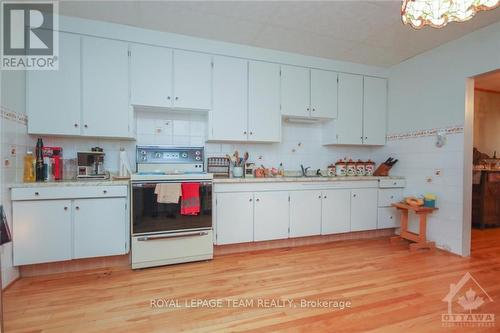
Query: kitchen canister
x=331 y=170
x=360 y=168
x=351 y=168
x=340 y=168
x=237 y=172
x=369 y=168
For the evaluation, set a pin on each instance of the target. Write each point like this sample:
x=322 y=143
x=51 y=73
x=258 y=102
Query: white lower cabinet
x=88 y=222
x=336 y=211
x=99 y=222
x=271 y=215
x=388 y=217
x=41 y=231
x=234 y=218
x=363 y=209
x=305 y=213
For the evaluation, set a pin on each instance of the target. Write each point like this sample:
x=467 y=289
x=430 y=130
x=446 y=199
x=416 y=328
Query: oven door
x=150 y=215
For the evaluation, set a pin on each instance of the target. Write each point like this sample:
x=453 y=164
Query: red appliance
x=55 y=155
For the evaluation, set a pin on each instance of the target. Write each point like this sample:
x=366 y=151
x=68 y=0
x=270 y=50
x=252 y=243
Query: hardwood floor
x=391 y=290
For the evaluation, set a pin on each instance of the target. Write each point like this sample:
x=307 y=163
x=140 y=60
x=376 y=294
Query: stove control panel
x=169 y=155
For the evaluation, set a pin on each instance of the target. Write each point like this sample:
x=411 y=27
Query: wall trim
x=425 y=132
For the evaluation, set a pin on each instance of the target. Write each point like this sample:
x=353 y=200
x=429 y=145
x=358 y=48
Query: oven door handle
x=191 y=234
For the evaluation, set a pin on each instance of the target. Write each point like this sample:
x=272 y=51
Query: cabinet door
x=305 y=213
x=374 y=110
x=234 y=218
x=364 y=209
x=105 y=88
x=264 y=115
x=295 y=91
x=336 y=211
x=150 y=75
x=349 y=123
x=388 y=217
x=323 y=94
x=192 y=80
x=271 y=215
x=41 y=231
x=54 y=106
x=228 y=117
x=100 y=227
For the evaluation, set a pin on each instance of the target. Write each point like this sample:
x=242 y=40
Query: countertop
x=99 y=182
x=299 y=179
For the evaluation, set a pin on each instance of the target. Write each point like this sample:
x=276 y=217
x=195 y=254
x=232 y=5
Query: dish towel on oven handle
x=190 y=200
x=168 y=193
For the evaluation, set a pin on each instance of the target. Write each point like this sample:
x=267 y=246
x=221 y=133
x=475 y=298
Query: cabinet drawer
x=386 y=197
x=69 y=192
x=388 y=217
x=388 y=183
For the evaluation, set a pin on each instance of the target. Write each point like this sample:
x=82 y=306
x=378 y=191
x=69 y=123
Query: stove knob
x=143 y=152
x=158 y=155
x=143 y=158
x=198 y=158
x=184 y=155
x=197 y=152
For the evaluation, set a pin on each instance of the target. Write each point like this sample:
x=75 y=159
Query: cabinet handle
x=65 y=208
x=168 y=97
x=77 y=208
x=392 y=197
x=76 y=125
x=390 y=217
x=36 y=193
x=245 y=132
x=250 y=199
x=105 y=191
x=366 y=138
x=354 y=195
x=176 y=98
x=319 y=197
x=257 y=199
x=324 y=197
x=307 y=109
x=314 y=109
x=251 y=133
x=86 y=126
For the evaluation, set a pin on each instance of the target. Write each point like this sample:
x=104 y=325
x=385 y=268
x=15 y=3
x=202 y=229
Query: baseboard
x=301 y=241
x=75 y=265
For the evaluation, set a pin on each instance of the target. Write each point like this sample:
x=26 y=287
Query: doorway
x=485 y=169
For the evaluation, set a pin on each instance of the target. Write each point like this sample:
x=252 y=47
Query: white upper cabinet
x=349 y=123
x=308 y=93
x=192 y=80
x=228 y=117
x=295 y=91
x=323 y=94
x=264 y=115
x=151 y=75
x=53 y=97
x=374 y=111
x=105 y=88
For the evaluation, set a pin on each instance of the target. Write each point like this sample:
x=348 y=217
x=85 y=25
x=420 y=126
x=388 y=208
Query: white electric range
x=169 y=224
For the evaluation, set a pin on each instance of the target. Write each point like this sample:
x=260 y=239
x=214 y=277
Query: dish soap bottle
x=29 y=167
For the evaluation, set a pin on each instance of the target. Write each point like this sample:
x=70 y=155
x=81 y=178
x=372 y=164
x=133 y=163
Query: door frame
x=467 y=166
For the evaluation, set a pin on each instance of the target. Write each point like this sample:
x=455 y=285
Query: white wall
x=487 y=122
x=13 y=143
x=429 y=92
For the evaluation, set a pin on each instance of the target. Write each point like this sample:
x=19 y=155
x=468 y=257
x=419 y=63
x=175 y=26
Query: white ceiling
x=489 y=81
x=367 y=32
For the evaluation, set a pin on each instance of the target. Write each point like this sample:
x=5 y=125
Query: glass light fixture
x=438 y=13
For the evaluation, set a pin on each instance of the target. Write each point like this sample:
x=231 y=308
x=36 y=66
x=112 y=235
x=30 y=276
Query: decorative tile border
x=425 y=132
x=18 y=117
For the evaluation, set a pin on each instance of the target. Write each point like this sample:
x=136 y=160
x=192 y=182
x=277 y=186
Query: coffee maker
x=91 y=164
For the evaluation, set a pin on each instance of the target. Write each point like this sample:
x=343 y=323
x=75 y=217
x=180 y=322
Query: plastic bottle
x=39 y=161
x=29 y=167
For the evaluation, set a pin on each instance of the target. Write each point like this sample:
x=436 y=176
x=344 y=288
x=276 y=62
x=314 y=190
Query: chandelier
x=438 y=13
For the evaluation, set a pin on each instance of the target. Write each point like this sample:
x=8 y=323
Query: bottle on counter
x=29 y=167
x=39 y=171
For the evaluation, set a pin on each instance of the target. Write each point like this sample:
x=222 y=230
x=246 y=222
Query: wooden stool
x=420 y=240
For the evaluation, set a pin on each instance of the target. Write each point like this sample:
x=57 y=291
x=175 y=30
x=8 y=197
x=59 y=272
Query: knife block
x=382 y=170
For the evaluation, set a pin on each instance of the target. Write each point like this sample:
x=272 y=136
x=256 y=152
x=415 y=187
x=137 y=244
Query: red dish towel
x=190 y=201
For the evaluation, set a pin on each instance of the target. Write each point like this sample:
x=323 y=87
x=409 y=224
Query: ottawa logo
x=469 y=296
